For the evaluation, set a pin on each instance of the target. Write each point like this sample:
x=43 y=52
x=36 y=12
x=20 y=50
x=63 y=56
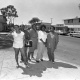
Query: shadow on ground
x=38 y=68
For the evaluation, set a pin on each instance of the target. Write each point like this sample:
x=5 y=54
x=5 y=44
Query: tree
x=34 y=20
x=10 y=13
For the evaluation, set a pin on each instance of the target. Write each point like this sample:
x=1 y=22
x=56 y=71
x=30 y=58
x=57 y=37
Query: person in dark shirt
x=52 y=41
x=27 y=38
x=34 y=39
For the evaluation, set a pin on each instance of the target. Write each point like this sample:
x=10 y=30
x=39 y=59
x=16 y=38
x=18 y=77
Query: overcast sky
x=44 y=10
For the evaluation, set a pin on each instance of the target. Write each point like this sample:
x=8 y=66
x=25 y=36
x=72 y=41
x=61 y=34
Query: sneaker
x=29 y=59
x=17 y=66
x=41 y=59
x=33 y=58
x=37 y=61
x=50 y=60
x=53 y=61
x=27 y=66
x=21 y=61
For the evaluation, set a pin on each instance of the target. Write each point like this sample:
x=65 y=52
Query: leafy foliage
x=34 y=20
x=9 y=12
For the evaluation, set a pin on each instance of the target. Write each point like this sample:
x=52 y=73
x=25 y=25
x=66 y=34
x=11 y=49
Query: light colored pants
x=41 y=48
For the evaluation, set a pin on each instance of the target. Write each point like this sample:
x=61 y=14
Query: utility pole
x=51 y=20
x=79 y=6
x=41 y=21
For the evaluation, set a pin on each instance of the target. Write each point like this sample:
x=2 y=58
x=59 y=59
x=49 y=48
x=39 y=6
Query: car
x=74 y=34
x=61 y=32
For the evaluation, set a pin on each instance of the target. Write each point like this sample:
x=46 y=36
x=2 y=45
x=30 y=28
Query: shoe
x=33 y=58
x=17 y=66
x=21 y=61
x=53 y=61
x=41 y=59
x=29 y=59
x=37 y=61
x=27 y=66
x=50 y=60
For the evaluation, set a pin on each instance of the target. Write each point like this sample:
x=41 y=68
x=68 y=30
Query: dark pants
x=22 y=59
x=50 y=54
x=22 y=53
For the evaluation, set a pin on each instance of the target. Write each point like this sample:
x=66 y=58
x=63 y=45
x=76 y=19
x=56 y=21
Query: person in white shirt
x=42 y=35
x=18 y=44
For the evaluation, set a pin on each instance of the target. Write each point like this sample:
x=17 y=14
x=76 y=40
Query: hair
x=42 y=26
x=53 y=27
x=33 y=26
x=16 y=25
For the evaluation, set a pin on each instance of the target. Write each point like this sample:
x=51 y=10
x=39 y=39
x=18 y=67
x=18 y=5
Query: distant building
x=48 y=25
x=73 y=24
x=61 y=28
x=3 y=23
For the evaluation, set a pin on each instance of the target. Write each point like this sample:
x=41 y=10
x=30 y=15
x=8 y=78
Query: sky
x=58 y=10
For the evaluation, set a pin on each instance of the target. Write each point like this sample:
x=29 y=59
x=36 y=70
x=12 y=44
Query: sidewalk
x=38 y=71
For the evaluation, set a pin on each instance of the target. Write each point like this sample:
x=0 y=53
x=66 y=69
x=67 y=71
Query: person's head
x=16 y=27
x=34 y=27
x=52 y=29
x=12 y=28
x=42 y=27
x=38 y=27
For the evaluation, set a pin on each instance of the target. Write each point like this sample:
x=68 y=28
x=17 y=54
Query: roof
x=59 y=25
x=72 y=18
x=45 y=23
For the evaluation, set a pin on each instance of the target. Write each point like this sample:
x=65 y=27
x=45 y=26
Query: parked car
x=61 y=32
x=74 y=34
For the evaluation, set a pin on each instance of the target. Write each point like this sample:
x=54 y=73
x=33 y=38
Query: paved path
x=38 y=71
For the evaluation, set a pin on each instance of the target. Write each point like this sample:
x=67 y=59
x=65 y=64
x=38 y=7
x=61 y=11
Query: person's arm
x=42 y=41
x=56 y=40
x=24 y=40
x=27 y=35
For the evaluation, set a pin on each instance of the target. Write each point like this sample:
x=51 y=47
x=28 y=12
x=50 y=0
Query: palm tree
x=10 y=13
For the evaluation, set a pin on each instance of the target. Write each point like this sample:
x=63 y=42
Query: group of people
x=38 y=38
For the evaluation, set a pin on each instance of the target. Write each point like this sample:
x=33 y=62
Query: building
x=3 y=23
x=58 y=27
x=61 y=28
x=48 y=25
x=73 y=24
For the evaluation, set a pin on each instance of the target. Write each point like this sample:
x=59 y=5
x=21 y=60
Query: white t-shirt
x=42 y=35
x=18 y=39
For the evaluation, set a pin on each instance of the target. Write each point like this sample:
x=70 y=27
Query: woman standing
x=34 y=39
x=42 y=35
x=52 y=41
x=18 y=44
